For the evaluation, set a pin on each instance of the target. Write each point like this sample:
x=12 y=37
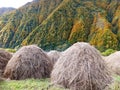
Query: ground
x=42 y=84
x=30 y=84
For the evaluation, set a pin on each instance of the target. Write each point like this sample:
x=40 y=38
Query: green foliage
x=63 y=46
x=108 y=52
x=104 y=39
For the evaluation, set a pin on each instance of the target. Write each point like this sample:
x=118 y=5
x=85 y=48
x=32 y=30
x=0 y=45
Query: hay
x=1 y=79
x=104 y=57
x=113 y=62
x=28 y=62
x=81 y=67
x=4 y=58
x=54 y=56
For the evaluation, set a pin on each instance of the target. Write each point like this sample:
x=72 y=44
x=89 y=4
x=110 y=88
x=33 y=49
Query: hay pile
x=113 y=62
x=28 y=62
x=2 y=79
x=54 y=55
x=4 y=58
x=81 y=68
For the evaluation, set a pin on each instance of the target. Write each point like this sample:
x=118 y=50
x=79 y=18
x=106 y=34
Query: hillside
x=56 y=24
x=5 y=10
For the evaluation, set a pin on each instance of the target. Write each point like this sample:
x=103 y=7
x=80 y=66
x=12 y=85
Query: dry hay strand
x=4 y=58
x=104 y=57
x=28 y=62
x=81 y=67
x=113 y=62
x=54 y=56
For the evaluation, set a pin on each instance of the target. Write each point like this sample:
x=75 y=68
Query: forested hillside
x=56 y=24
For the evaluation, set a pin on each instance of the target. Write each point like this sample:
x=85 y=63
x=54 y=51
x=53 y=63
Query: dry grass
x=81 y=68
x=28 y=62
x=4 y=58
x=54 y=56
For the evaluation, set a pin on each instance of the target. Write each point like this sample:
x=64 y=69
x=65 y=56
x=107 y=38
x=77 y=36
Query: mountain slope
x=56 y=24
x=24 y=20
x=74 y=21
x=6 y=10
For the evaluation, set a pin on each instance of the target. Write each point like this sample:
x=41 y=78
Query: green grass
x=8 y=50
x=108 y=52
x=42 y=84
x=30 y=84
x=116 y=85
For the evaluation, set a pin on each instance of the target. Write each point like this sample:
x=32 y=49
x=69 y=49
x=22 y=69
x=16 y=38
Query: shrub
x=108 y=52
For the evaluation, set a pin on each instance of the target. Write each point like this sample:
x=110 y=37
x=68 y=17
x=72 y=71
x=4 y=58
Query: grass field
x=32 y=84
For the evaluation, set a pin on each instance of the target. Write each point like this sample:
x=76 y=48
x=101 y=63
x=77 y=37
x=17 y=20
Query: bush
x=108 y=52
x=10 y=50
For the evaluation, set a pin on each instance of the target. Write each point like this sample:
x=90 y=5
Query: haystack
x=81 y=67
x=113 y=62
x=28 y=62
x=54 y=56
x=4 y=58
